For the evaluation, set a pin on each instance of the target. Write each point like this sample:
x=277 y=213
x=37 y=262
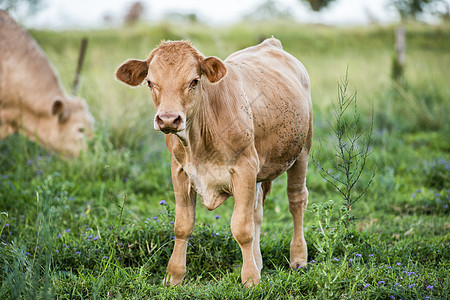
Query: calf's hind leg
x=262 y=189
x=298 y=200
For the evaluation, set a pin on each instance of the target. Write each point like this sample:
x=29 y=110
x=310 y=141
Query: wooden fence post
x=398 y=64
x=79 y=65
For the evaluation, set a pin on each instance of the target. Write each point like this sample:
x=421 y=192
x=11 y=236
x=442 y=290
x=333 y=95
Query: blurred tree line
x=271 y=9
x=407 y=9
x=32 y=5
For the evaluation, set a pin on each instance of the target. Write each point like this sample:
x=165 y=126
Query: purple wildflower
x=27 y=254
x=217 y=217
x=6 y=225
x=359 y=255
x=411 y=286
x=370 y=255
x=335 y=258
x=380 y=282
x=78 y=252
x=366 y=285
x=67 y=230
x=162 y=202
x=350 y=260
x=59 y=235
x=155 y=218
x=171 y=222
x=398 y=264
x=429 y=287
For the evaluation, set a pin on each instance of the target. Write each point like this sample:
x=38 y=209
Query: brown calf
x=232 y=127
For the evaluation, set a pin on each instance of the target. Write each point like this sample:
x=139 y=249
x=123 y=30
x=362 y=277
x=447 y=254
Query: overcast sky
x=90 y=13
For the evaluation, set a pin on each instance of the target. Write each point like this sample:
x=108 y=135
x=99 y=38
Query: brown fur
x=32 y=99
x=247 y=120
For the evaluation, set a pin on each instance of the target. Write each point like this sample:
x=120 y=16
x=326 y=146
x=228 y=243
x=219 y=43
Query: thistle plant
x=351 y=149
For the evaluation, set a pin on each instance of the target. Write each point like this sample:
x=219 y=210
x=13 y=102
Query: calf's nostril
x=177 y=121
x=159 y=121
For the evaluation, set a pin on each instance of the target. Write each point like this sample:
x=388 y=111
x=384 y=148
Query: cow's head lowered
x=174 y=72
x=60 y=125
x=72 y=125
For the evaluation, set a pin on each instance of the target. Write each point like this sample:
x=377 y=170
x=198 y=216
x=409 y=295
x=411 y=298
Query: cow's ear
x=132 y=72
x=59 y=108
x=213 y=68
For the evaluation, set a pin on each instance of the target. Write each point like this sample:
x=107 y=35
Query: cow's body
x=258 y=104
x=246 y=128
x=32 y=99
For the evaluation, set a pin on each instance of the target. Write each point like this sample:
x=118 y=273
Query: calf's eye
x=193 y=84
x=150 y=84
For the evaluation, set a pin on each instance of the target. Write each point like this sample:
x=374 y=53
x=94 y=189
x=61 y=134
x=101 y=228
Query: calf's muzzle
x=169 y=122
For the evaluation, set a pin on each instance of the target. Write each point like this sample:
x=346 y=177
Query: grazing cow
x=231 y=127
x=32 y=99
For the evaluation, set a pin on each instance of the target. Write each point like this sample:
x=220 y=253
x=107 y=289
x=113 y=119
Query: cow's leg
x=298 y=199
x=258 y=217
x=242 y=222
x=184 y=224
x=262 y=189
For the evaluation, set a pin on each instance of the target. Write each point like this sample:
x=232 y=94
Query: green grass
x=94 y=228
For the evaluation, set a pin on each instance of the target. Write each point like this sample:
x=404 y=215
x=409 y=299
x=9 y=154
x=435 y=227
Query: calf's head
x=65 y=129
x=175 y=73
x=74 y=126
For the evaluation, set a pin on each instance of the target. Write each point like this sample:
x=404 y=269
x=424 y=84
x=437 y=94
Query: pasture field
x=97 y=227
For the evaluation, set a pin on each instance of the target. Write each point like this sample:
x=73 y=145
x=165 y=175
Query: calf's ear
x=132 y=72
x=213 y=68
x=57 y=106
x=59 y=109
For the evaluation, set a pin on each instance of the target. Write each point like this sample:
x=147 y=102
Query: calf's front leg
x=185 y=198
x=242 y=224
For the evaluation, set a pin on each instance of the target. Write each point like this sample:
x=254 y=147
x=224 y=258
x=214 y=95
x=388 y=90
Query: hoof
x=297 y=265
